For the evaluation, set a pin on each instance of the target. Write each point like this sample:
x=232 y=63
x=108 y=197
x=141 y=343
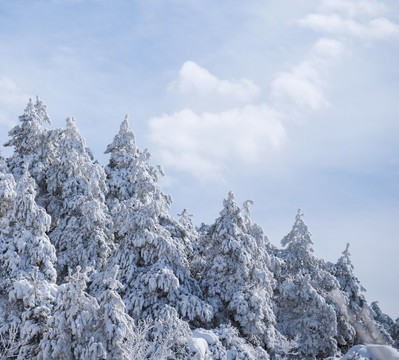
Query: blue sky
x=290 y=104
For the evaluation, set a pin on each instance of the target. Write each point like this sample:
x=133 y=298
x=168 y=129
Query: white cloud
x=362 y=19
x=378 y=29
x=195 y=79
x=202 y=144
x=305 y=84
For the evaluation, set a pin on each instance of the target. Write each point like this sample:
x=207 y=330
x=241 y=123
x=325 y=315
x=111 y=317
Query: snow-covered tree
x=123 y=156
x=7 y=190
x=26 y=263
x=306 y=318
x=114 y=326
x=354 y=304
x=31 y=143
x=37 y=297
x=152 y=252
x=82 y=233
x=299 y=254
x=71 y=328
x=235 y=277
x=24 y=240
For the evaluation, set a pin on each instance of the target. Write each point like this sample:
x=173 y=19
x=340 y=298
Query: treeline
x=93 y=266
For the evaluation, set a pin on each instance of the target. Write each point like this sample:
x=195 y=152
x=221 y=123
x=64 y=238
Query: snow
x=207 y=335
x=371 y=352
x=198 y=346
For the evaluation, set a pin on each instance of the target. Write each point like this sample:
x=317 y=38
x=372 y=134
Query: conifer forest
x=94 y=266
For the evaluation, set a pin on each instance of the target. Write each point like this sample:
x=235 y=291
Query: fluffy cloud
x=195 y=79
x=304 y=85
x=362 y=19
x=202 y=143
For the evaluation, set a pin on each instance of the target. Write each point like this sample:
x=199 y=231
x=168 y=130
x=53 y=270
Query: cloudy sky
x=288 y=103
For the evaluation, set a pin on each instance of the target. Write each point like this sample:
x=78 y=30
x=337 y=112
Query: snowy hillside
x=93 y=266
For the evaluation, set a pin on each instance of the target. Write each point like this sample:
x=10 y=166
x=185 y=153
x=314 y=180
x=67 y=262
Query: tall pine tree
x=82 y=227
x=235 y=277
x=152 y=252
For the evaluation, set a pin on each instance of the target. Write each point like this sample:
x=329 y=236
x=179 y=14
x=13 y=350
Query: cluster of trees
x=93 y=266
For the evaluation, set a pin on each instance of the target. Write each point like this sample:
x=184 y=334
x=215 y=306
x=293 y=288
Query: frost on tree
x=7 y=190
x=26 y=265
x=299 y=254
x=303 y=295
x=114 y=326
x=235 y=277
x=152 y=246
x=24 y=240
x=82 y=233
x=306 y=319
x=31 y=143
x=354 y=304
x=71 y=328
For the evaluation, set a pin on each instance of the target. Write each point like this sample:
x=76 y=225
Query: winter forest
x=93 y=266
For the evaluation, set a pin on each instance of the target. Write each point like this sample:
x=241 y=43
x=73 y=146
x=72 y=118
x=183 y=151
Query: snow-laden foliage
x=235 y=276
x=37 y=298
x=26 y=264
x=153 y=247
x=159 y=288
x=304 y=316
x=368 y=327
x=299 y=254
x=7 y=191
x=70 y=329
x=24 y=242
x=32 y=147
x=82 y=234
x=114 y=325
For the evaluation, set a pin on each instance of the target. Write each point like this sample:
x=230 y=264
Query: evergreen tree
x=24 y=237
x=152 y=251
x=31 y=144
x=311 y=307
x=354 y=304
x=7 y=190
x=71 y=328
x=306 y=318
x=26 y=265
x=37 y=297
x=123 y=157
x=299 y=254
x=114 y=325
x=235 y=278
x=82 y=233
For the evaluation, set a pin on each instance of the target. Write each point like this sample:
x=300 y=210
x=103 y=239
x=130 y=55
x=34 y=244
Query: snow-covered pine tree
x=114 y=326
x=71 y=328
x=235 y=277
x=24 y=237
x=38 y=297
x=353 y=302
x=7 y=190
x=152 y=253
x=26 y=265
x=82 y=233
x=123 y=156
x=383 y=321
x=306 y=319
x=299 y=254
x=300 y=266
x=31 y=144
